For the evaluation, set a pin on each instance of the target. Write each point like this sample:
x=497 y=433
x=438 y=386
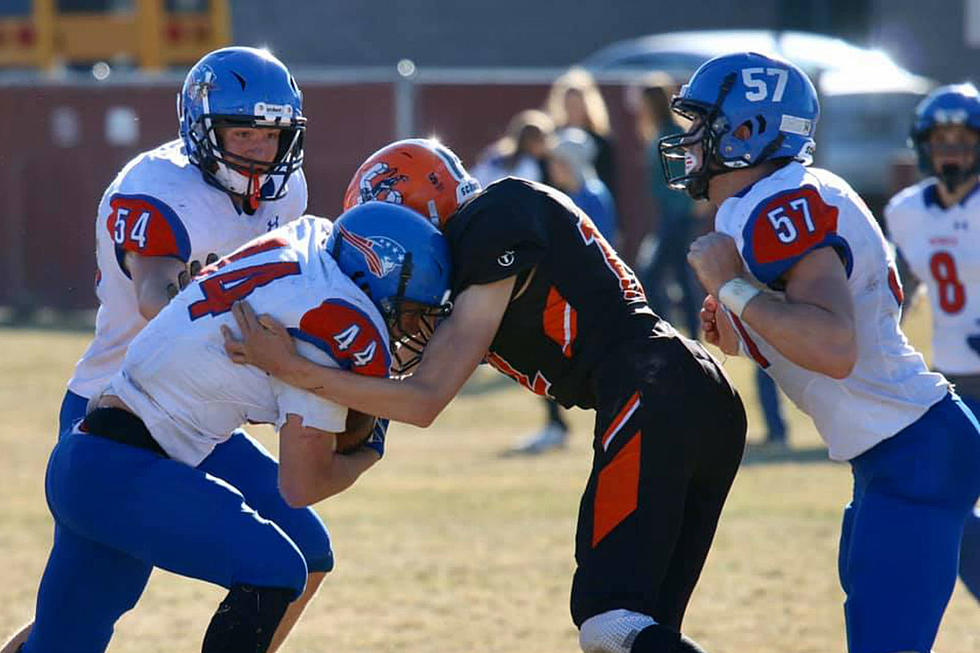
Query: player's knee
x=292 y=573
x=246 y=619
x=314 y=544
x=613 y=631
x=271 y=562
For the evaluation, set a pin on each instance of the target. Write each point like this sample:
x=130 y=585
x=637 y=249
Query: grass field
x=448 y=547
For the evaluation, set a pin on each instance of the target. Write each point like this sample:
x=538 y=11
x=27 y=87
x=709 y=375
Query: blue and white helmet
x=401 y=261
x=956 y=104
x=773 y=98
x=242 y=87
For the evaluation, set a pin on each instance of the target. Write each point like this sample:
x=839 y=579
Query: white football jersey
x=160 y=205
x=775 y=223
x=177 y=377
x=942 y=248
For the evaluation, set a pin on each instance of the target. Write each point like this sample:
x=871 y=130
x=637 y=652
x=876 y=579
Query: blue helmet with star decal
x=745 y=109
x=242 y=87
x=398 y=258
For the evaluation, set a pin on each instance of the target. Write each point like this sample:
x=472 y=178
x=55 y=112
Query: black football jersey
x=574 y=301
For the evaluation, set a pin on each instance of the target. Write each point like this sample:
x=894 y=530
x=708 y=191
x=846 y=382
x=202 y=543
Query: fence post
x=405 y=99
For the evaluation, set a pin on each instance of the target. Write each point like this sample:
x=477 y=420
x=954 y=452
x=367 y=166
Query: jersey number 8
x=952 y=293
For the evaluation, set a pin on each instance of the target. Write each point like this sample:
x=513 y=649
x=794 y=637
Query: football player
x=800 y=279
x=129 y=479
x=234 y=173
x=933 y=224
x=541 y=296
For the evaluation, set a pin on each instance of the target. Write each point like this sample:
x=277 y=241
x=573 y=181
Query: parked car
x=867 y=100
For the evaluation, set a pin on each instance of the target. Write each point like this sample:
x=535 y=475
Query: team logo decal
x=381 y=253
x=202 y=84
x=506 y=259
x=379 y=182
x=951 y=116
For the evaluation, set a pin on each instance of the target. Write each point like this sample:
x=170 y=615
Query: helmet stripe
x=365 y=247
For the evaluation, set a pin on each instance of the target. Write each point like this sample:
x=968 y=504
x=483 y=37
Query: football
x=357 y=430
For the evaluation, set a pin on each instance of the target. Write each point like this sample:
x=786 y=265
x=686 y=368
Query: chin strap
x=255 y=193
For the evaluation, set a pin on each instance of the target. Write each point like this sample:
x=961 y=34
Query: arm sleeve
x=347 y=335
x=147 y=226
x=496 y=238
x=787 y=226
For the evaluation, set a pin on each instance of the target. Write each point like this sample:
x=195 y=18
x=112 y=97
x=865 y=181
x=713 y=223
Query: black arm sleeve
x=498 y=235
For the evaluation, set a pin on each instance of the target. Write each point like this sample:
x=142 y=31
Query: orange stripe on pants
x=616 y=491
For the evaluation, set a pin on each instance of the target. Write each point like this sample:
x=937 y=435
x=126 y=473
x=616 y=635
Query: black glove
x=185 y=276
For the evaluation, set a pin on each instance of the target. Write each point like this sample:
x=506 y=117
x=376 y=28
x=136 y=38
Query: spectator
x=571 y=171
x=520 y=152
x=676 y=213
x=575 y=101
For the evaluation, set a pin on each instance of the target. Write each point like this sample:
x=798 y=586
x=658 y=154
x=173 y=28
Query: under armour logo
x=506 y=259
x=961 y=224
x=272 y=224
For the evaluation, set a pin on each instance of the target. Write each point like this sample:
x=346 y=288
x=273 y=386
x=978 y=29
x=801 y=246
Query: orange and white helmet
x=420 y=173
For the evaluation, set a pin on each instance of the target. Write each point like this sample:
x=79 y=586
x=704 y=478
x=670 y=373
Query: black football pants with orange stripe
x=669 y=436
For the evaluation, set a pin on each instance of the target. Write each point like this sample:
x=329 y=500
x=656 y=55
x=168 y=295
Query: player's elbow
x=425 y=412
x=149 y=303
x=841 y=356
x=303 y=492
x=419 y=409
x=840 y=369
x=148 y=310
x=296 y=496
x=422 y=417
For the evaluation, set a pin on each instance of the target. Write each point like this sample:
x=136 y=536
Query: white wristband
x=736 y=293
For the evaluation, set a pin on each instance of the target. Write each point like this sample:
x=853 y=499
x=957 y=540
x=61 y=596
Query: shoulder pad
x=786 y=226
x=348 y=335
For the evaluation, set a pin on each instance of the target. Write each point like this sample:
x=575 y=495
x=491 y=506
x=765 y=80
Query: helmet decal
x=379 y=183
x=421 y=174
x=382 y=254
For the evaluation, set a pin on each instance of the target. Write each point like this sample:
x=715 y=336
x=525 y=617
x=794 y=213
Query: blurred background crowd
x=575 y=98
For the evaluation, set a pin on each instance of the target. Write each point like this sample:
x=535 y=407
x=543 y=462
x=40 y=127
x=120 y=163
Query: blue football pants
x=121 y=510
x=901 y=533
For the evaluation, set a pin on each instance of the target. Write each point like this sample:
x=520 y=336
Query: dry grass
x=446 y=547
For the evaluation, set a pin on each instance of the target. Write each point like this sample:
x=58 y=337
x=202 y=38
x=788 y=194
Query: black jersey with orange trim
x=574 y=298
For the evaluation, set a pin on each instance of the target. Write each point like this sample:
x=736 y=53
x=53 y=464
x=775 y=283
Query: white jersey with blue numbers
x=942 y=248
x=775 y=223
x=160 y=205
x=177 y=377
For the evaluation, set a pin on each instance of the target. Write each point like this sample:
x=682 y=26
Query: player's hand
x=709 y=323
x=715 y=259
x=185 y=276
x=264 y=343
